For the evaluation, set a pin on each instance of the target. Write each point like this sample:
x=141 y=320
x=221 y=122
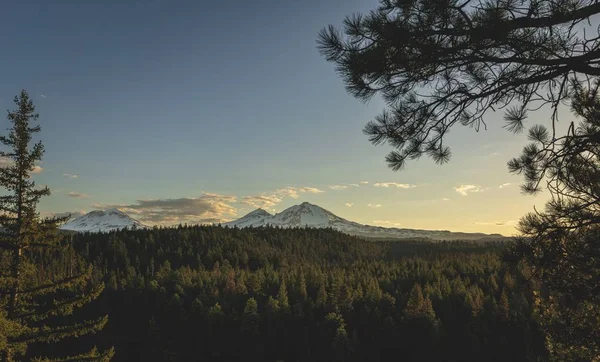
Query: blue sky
x=195 y=110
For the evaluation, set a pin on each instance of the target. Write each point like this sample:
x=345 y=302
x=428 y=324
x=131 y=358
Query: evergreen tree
x=419 y=306
x=282 y=297
x=440 y=64
x=302 y=286
x=321 y=299
x=30 y=302
x=561 y=244
x=251 y=319
x=444 y=63
x=335 y=329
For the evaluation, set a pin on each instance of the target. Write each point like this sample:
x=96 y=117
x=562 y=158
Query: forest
x=268 y=294
x=214 y=293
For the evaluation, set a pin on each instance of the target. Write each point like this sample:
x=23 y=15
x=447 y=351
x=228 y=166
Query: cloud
x=394 y=184
x=7 y=162
x=74 y=214
x=373 y=206
x=70 y=175
x=262 y=201
x=77 y=195
x=504 y=185
x=43 y=95
x=496 y=154
x=364 y=182
x=208 y=208
x=294 y=192
x=349 y=204
x=445 y=199
x=355 y=185
x=311 y=190
x=267 y=200
x=338 y=187
x=466 y=189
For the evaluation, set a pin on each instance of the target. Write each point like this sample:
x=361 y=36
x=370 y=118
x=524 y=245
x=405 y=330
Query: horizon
x=74 y=218
x=181 y=115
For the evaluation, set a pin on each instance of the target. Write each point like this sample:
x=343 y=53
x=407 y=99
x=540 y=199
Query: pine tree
x=442 y=64
x=30 y=303
x=302 y=286
x=418 y=306
x=321 y=296
x=335 y=329
x=251 y=318
x=282 y=297
x=445 y=64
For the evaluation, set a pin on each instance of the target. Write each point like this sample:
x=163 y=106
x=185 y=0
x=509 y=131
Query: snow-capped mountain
x=309 y=215
x=256 y=217
x=102 y=221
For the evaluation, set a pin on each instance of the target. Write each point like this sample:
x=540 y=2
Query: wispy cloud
x=208 y=208
x=466 y=189
x=496 y=154
x=70 y=175
x=364 y=182
x=374 y=206
x=445 y=199
x=74 y=214
x=338 y=187
x=349 y=204
x=504 y=185
x=267 y=200
x=43 y=95
x=77 y=195
x=312 y=190
x=261 y=201
x=294 y=192
x=355 y=185
x=7 y=162
x=394 y=184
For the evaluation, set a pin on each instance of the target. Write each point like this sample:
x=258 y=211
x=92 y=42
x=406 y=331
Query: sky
x=198 y=111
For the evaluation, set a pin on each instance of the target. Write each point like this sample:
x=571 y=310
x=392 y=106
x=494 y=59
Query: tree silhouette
x=438 y=64
x=442 y=63
x=30 y=302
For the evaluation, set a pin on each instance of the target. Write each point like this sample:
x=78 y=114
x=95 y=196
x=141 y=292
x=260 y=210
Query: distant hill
x=102 y=221
x=309 y=215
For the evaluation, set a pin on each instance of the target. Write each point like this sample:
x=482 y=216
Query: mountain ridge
x=309 y=215
x=296 y=216
x=102 y=221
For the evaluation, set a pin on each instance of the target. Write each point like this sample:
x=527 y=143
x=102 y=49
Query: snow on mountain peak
x=251 y=219
x=102 y=221
x=310 y=215
x=259 y=212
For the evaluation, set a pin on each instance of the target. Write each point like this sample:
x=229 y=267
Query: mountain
x=309 y=215
x=256 y=217
x=102 y=221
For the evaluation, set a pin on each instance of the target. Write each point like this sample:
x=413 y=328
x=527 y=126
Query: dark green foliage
x=37 y=299
x=444 y=63
x=268 y=294
x=560 y=245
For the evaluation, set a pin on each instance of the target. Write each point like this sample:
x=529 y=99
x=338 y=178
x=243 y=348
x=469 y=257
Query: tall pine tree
x=33 y=309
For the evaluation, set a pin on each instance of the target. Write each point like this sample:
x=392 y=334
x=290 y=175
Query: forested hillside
x=266 y=294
